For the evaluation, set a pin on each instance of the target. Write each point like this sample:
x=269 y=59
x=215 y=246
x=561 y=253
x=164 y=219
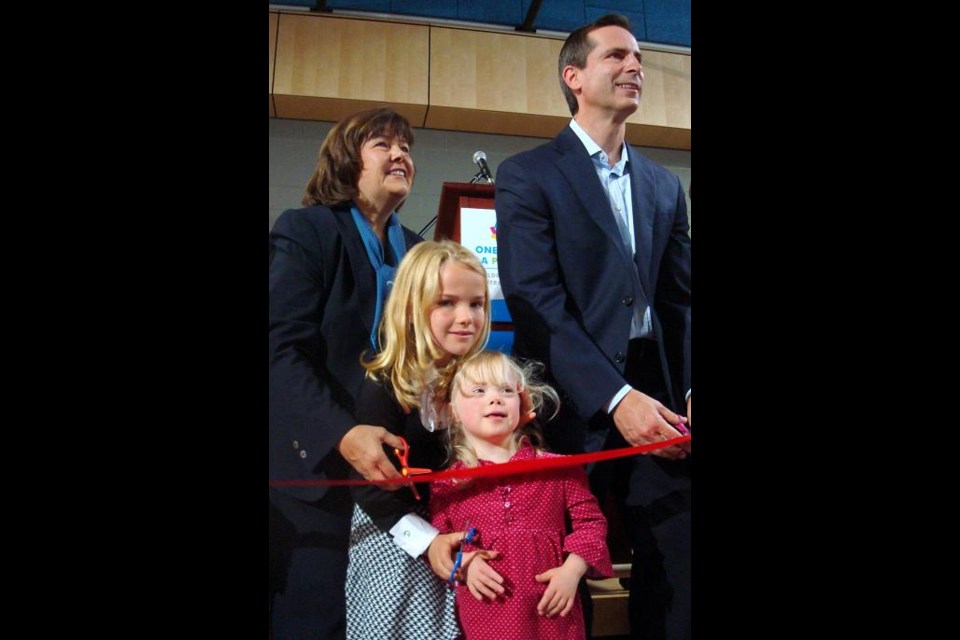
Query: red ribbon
x=505 y=469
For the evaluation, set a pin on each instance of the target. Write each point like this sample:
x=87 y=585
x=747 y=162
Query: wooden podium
x=454 y=197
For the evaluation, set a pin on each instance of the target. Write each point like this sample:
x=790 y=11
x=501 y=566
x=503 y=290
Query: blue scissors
x=456 y=563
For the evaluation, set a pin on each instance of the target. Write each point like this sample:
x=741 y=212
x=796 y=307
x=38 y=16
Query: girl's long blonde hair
x=496 y=368
x=409 y=350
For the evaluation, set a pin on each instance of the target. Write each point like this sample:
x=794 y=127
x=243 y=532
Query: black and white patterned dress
x=390 y=595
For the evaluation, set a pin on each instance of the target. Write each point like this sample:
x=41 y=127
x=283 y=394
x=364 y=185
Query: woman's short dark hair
x=334 y=181
x=578 y=46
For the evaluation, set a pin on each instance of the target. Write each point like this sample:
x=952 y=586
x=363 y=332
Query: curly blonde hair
x=496 y=368
x=410 y=352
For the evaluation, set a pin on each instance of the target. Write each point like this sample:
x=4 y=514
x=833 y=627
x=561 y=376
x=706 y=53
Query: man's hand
x=562 y=590
x=362 y=447
x=689 y=420
x=643 y=420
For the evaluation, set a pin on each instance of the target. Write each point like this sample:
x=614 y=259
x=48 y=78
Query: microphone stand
x=427 y=226
x=480 y=176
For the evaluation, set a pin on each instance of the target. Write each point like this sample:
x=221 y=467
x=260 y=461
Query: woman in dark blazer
x=331 y=267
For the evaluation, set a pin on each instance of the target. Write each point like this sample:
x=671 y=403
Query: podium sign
x=478 y=232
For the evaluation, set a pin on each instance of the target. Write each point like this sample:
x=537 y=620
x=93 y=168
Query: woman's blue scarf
x=384 y=271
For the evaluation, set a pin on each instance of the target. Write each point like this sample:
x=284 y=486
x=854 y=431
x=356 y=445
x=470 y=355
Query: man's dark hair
x=578 y=46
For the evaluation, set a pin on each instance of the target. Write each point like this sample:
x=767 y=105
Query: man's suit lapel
x=357 y=254
x=642 y=188
x=577 y=167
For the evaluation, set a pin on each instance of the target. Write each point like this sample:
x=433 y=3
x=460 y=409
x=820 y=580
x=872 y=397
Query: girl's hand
x=441 y=551
x=481 y=579
x=562 y=591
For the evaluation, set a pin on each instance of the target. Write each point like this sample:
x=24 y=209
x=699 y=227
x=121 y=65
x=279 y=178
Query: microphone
x=480 y=158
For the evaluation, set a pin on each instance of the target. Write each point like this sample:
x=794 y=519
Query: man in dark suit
x=594 y=261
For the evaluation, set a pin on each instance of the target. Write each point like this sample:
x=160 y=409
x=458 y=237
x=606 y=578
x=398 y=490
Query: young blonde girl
x=437 y=315
x=530 y=589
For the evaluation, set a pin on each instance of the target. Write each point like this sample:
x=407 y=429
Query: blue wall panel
x=558 y=15
x=614 y=6
x=668 y=21
x=431 y=8
x=664 y=21
x=508 y=12
x=380 y=6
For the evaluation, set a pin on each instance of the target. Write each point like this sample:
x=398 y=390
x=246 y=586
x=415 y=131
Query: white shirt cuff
x=413 y=534
x=617 y=398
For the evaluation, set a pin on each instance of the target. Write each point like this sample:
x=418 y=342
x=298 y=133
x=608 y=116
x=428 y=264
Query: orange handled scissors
x=405 y=470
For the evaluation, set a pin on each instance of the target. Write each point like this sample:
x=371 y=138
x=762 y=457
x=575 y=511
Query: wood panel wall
x=461 y=79
x=327 y=68
x=274 y=20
